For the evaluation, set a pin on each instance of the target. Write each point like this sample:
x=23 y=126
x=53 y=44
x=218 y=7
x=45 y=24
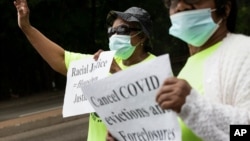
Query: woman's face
x=133 y=29
x=177 y=6
x=182 y=5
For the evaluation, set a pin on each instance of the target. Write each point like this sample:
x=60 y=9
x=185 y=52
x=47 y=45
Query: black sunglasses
x=121 y=30
x=173 y=3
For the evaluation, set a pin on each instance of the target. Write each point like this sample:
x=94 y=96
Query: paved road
x=71 y=130
x=39 y=118
x=36 y=103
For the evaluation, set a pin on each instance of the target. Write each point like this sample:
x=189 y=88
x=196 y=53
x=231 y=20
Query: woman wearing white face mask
x=134 y=29
x=212 y=90
x=129 y=34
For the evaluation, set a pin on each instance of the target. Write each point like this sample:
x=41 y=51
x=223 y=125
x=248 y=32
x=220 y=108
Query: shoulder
x=237 y=39
x=236 y=43
x=72 y=56
x=234 y=53
x=151 y=56
x=75 y=55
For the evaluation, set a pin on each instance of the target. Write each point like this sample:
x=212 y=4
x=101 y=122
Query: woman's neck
x=217 y=37
x=135 y=58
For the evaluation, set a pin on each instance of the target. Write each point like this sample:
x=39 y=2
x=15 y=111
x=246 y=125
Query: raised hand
x=114 y=66
x=22 y=13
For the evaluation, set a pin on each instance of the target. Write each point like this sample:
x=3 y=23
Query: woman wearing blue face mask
x=212 y=91
x=129 y=34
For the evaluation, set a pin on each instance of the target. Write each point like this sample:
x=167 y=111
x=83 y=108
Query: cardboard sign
x=126 y=103
x=80 y=73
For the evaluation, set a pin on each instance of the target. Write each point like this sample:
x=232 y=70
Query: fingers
x=97 y=54
x=167 y=87
x=21 y=6
x=174 y=103
x=114 y=67
x=173 y=93
x=168 y=104
x=109 y=137
x=20 y=3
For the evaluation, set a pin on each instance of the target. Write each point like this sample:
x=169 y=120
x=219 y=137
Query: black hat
x=133 y=14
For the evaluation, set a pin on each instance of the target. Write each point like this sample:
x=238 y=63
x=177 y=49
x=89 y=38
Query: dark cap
x=133 y=14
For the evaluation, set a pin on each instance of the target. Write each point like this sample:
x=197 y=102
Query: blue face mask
x=122 y=45
x=194 y=27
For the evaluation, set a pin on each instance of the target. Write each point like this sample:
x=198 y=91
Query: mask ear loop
x=134 y=36
x=220 y=21
x=212 y=10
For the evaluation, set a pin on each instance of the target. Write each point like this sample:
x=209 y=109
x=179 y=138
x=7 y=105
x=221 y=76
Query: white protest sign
x=83 y=72
x=126 y=103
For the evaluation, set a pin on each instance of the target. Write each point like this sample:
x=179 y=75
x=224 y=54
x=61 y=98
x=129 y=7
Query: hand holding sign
x=81 y=73
x=126 y=102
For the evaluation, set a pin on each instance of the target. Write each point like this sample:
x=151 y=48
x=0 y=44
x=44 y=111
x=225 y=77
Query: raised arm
x=52 y=53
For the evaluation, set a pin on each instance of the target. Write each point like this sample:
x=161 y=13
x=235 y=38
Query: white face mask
x=122 y=45
x=194 y=27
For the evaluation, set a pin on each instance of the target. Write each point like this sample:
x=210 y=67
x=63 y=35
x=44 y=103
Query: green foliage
x=243 y=19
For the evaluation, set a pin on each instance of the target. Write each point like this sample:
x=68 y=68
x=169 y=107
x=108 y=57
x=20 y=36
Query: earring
x=142 y=44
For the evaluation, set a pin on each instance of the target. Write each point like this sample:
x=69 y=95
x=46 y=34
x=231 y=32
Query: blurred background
x=76 y=25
